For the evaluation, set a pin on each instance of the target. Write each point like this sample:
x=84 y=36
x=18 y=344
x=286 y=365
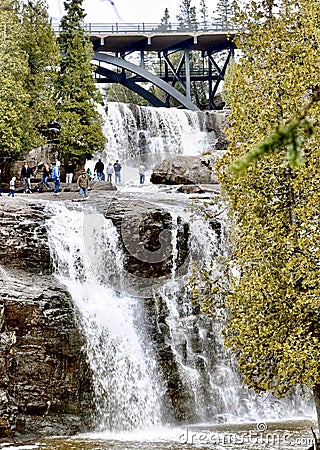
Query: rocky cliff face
x=45 y=380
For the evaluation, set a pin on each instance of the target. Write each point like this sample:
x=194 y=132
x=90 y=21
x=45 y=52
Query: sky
x=126 y=11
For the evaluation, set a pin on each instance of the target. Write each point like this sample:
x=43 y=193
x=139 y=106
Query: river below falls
x=285 y=435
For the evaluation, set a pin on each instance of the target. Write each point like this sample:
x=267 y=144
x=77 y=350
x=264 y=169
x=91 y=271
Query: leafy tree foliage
x=13 y=71
x=39 y=43
x=81 y=122
x=273 y=295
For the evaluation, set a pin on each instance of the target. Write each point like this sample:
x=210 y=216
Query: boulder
x=187 y=170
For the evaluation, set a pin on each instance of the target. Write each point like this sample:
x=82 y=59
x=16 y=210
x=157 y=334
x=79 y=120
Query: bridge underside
x=181 y=60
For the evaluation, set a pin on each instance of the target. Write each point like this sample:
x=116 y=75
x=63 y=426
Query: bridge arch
x=144 y=75
x=214 y=44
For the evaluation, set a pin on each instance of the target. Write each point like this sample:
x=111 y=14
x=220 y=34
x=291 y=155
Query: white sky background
x=127 y=11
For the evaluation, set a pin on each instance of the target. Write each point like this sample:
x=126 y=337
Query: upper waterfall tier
x=139 y=133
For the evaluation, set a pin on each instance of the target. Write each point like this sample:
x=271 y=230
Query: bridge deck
x=151 y=37
x=157 y=42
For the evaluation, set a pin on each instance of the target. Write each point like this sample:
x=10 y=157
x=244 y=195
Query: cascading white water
x=207 y=369
x=137 y=133
x=129 y=381
x=85 y=250
x=130 y=389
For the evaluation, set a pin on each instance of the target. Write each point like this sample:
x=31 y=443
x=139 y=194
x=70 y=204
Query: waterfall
x=141 y=133
x=127 y=390
x=156 y=360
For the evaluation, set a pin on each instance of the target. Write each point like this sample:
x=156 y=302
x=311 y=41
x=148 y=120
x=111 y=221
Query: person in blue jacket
x=56 y=177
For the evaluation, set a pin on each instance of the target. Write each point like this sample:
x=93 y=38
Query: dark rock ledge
x=45 y=380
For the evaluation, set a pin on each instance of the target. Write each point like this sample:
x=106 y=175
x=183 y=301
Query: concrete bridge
x=123 y=53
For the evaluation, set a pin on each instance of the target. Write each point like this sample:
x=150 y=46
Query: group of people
x=55 y=175
x=82 y=181
x=25 y=176
x=110 y=170
x=115 y=169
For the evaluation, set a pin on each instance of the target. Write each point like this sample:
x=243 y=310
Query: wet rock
x=102 y=186
x=45 y=381
x=43 y=366
x=191 y=189
x=187 y=170
x=23 y=238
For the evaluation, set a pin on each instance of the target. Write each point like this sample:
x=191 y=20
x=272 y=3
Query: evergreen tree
x=273 y=297
x=165 y=21
x=81 y=122
x=39 y=43
x=223 y=13
x=187 y=18
x=13 y=71
x=204 y=14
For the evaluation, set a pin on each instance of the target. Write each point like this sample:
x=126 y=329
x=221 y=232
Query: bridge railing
x=130 y=28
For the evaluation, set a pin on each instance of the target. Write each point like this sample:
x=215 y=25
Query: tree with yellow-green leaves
x=270 y=177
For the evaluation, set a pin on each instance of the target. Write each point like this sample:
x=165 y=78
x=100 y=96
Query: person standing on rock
x=117 y=171
x=45 y=178
x=142 y=173
x=89 y=173
x=26 y=177
x=110 y=171
x=99 y=168
x=83 y=184
x=12 y=187
x=56 y=177
x=70 y=167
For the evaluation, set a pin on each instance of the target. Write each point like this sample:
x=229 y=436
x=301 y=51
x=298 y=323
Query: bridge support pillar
x=188 y=78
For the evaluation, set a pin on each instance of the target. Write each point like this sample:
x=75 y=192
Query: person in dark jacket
x=99 y=168
x=45 y=178
x=117 y=171
x=26 y=177
x=69 y=168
